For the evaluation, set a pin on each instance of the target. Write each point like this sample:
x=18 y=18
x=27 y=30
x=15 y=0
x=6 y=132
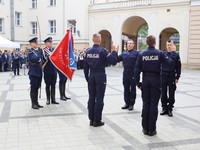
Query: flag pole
x=39 y=31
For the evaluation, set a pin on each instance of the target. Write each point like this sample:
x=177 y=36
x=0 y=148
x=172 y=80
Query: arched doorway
x=169 y=34
x=135 y=28
x=106 y=39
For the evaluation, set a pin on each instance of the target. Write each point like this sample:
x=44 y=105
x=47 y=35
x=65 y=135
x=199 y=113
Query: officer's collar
x=96 y=45
x=151 y=47
x=36 y=49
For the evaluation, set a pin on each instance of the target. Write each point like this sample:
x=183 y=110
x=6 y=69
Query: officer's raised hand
x=114 y=48
x=174 y=47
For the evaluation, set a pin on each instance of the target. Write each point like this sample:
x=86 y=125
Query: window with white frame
x=33 y=28
x=1 y=25
x=18 y=18
x=52 y=2
x=72 y=25
x=33 y=3
x=52 y=26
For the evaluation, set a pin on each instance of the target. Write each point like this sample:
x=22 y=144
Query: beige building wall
x=5 y=15
x=112 y=17
x=62 y=12
x=104 y=17
x=194 y=36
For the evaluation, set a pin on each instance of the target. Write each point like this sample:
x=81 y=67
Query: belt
x=34 y=66
x=151 y=73
x=168 y=73
x=97 y=70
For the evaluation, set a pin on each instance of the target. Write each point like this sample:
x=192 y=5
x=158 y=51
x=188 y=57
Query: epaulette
x=177 y=52
x=138 y=50
x=30 y=51
x=105 y=49
x=89 y=48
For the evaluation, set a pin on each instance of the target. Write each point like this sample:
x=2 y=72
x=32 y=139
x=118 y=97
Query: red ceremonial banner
x=61 y=56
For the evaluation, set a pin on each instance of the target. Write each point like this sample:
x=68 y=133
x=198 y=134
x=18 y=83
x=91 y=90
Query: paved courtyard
x=66 y=126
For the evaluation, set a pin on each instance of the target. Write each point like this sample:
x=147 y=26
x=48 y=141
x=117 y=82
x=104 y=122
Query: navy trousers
x=168 y=91
x=50 y=79
x=35 y=83
x=16 y=68
x=129 y=89
x=96 y=88
x=151 y=93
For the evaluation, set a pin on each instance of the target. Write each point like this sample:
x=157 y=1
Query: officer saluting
x=96 y=59
x=149 y=62
x=170 y=76
x=129 y=58
x=35 y=71
x=50 y=72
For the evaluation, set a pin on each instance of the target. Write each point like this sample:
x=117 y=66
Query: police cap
x=33 y=40
x=49 y=39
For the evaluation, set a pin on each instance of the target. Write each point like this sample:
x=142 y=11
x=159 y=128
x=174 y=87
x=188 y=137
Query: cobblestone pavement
x=66 y=126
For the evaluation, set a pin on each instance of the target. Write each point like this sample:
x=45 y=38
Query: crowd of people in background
x=79 y=55
x=13 y=60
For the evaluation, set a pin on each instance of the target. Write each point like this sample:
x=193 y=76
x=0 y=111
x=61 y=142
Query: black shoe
x=67 y=97
x=35 y=107
x=63 y=98
x=145 y=132
x=39 y=106
x=48 y=95
x=170 y=114
x=48 y=102
x=130 y=107
x=152 y=133
x=54 y=102
x=163 y=112
x=125 y=107
x=98 y=124
x=91 y=123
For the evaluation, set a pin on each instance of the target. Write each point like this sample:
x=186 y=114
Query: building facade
x=116 y=20
x=25 y=19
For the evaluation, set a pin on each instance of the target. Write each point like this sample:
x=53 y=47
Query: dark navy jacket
x=1 y=59
x=4 y=58
x=16 y=58
x=97 y=58
x=23 y=59
x=49 y=67
x=149 y=61
x=129 y=58
x=175 y=68
x=35 y=62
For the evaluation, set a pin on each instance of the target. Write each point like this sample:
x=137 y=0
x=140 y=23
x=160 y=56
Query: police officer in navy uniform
x=129 y=58
x=62 y=86
x=35 y=71
x=16 y=61
x=50 y=72
x=149 y=63
x=5 y=59
x=96 y=59
x=170 y=76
